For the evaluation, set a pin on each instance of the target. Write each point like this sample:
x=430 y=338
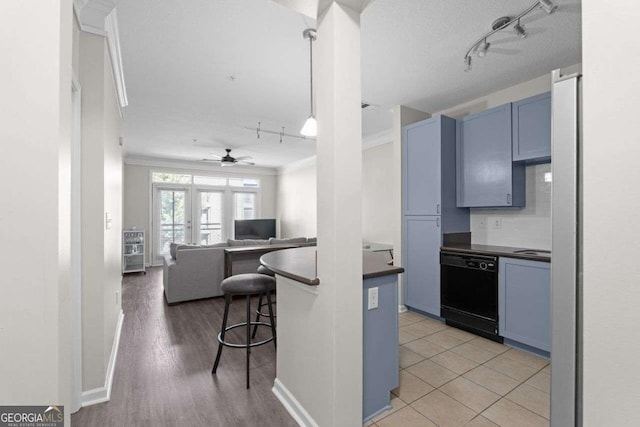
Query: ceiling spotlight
x=548 y=6
x=467 y=62
x=519 y=30
x=484 y=47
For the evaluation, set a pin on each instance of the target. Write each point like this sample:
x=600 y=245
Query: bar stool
x=246 y=285
x=262 y=270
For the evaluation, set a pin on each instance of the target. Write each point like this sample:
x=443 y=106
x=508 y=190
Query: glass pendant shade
x=310 y=127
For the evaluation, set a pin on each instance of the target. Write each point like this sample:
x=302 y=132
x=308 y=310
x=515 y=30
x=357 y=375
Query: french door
x=171 y=217
x=192 y=214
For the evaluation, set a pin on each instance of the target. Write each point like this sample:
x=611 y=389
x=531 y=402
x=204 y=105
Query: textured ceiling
x=204 y=70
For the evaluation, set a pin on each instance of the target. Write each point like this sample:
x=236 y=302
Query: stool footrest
x=244 y=324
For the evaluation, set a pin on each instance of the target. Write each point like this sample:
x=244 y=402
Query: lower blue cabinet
x=524 y=302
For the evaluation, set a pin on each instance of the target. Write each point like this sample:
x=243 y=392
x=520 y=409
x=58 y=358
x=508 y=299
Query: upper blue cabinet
x=487 y=177
x=532 y=129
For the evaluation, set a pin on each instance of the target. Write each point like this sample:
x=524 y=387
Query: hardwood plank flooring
x=163 y=372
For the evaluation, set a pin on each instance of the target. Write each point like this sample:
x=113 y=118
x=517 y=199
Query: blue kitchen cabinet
x=487 y=177
x=421 y=261
x=421 y=168
x=379 y=346
x=524 y=302
x=532 y=129
x=428 y=207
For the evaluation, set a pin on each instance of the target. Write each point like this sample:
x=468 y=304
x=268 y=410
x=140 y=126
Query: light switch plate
x=373 y=298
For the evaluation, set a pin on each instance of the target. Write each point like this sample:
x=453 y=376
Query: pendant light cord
x=311 y=72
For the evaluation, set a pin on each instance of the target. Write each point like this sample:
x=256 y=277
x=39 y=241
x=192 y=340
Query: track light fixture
x=519 y=30
x=481 y=46
x=548 y=6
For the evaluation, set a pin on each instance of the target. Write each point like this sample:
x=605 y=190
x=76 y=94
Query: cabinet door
x=532 y=128
x=421 y=168
x=421 y=256
x=484 y=160
x=525 y=302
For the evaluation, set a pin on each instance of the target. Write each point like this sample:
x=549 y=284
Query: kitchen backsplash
x=529 y=227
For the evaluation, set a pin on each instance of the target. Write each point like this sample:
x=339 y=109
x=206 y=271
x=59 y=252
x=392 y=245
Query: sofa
x=193 y=272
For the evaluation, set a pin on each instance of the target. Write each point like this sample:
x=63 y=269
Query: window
x=199 y=209
x=245 y=205
x=173 y=178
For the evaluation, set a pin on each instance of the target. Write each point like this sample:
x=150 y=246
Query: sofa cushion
x=290 y=240
x=172 y=249
x=184 y=247
x=247 y=242
x=216 y=245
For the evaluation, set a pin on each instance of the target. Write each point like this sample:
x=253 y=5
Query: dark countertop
x=504 y=251
x=299 y=264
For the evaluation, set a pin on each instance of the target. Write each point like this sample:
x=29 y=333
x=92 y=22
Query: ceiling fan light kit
x=310 y=127
x=481 y=46
x=227 y=160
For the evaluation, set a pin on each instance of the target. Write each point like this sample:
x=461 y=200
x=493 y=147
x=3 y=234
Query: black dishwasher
x=469 y=292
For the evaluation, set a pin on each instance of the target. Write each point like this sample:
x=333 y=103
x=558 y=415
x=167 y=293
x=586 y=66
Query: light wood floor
x=163 y=371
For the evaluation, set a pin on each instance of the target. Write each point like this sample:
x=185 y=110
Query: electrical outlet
x=482 y=224
x=496 y=223
x=373 y=298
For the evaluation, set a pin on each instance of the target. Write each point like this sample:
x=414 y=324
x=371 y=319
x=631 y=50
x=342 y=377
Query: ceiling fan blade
x=244 y=162
x=215 y=156
x=211 y=160
x=243 y=158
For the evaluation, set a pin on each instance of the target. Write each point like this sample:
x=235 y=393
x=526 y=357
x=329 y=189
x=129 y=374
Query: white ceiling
x=206 y=69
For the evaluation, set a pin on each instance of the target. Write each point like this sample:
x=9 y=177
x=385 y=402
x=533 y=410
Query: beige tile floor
x=449 y=377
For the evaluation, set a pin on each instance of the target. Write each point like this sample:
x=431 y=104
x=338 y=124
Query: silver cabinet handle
x=508 y=199
x=438 y=222
x=438 y=208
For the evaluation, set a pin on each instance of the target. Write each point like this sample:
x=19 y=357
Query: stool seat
x=264 y=270
x=248 y=284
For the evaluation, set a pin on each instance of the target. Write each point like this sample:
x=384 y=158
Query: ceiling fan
x=227 y=160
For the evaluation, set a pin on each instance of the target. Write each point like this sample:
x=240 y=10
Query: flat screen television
x=254 y=229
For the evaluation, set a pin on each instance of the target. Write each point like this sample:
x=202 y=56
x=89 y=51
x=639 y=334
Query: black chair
x=262 y=270
x=246 y=285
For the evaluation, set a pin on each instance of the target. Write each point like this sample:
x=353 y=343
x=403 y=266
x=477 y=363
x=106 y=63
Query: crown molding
x=377 y=139
x=196 y=166
x=99 y=17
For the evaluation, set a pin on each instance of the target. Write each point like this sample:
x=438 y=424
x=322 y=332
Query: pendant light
x=310 y=127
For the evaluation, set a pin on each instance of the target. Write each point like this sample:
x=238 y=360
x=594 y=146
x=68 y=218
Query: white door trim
x=76 y=245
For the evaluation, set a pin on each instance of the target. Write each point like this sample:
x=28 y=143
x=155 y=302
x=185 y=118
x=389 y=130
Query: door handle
x=508 y=199
x=438 y=222
x=438 y=208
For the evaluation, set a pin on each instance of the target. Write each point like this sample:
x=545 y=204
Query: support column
x=319 y=361
x=339 y=184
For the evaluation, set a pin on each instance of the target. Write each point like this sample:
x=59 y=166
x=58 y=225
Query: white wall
x=611 y=202
x=297 y=199
x=529 y=227
x=35 y=216
x=377 y=194
x=137 y=190
x=101 y=194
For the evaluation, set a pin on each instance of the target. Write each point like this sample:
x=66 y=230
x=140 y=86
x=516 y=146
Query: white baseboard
x=103 y=394
x=295 y=409
x=402 y=308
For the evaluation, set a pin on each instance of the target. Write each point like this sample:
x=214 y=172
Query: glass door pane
x=245 y=205
x=210 y=207
x=172 y=218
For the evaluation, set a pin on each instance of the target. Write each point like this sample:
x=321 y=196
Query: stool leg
x=255 y=327
x=227 y=301
x=272 y=318
x=248 y=334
